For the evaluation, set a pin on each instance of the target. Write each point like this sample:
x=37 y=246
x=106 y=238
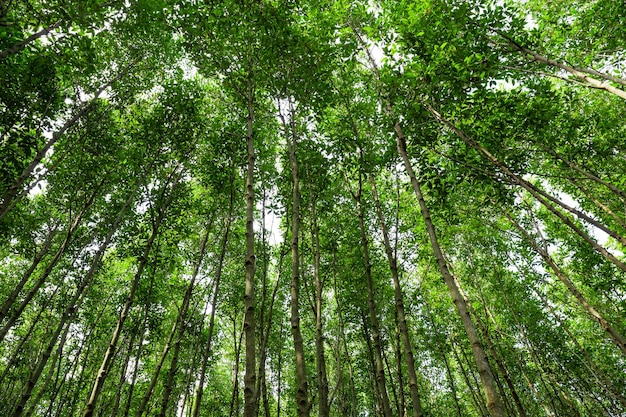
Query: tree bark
x=108 y=356
x=23 y=44
x=14 y=189
x=380 y=369
x=302 y=393
x=399 y=299
x=249 y=325
x=617 y=338
x=580 y=73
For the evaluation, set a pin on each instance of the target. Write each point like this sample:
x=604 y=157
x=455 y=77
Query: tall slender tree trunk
x=619 y=220
x=266 y=318
x=249 y=325
x=371 y=304
x=67 y=399
x=322 y=377
x=593 y=367
x=494 y=354
x=344 y=344
x=53 y=262
x=377 y=401
x=400 y=315
x=264 y=344
x=452 y=384
x=234 y=399
x=494 y=404
x=108 y=356
x=216 y=288
x=471 y=386
x=123 y=376
x=617 y=337
x=302 y=394
x=180 y=324
x=147 y=396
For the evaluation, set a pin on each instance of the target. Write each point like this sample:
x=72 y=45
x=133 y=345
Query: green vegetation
x=333 y=208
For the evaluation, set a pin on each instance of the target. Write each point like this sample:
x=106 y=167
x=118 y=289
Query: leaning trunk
x=401 y=317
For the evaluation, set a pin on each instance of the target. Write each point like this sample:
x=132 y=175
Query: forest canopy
x=294 y=208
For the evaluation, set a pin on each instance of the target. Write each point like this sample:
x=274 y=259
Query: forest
x=266 y=208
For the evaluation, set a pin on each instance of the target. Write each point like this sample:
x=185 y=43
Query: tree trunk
x=493 y=399
x=534 y=191
x=320 y=361
x=123 y=375
x=180 y=325
x=400 y=315
x=108 y=356
x=471 y=386
x=371 y=303
x=484 y=330
x=587 y=174
x=218 y=279
x=23 y=44
x=234 y=399
x=617 y=338
x=377 y=401
x=302 y=395
x=250 y=263
x=143 y=407
x=46 y=273
x=580 y=73
x=14 y=189
x=343 y=343
x=484 y=369
x=45 y=248
x=593 y=367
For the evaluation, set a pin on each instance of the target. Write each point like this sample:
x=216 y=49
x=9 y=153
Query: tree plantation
x=312 y=208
